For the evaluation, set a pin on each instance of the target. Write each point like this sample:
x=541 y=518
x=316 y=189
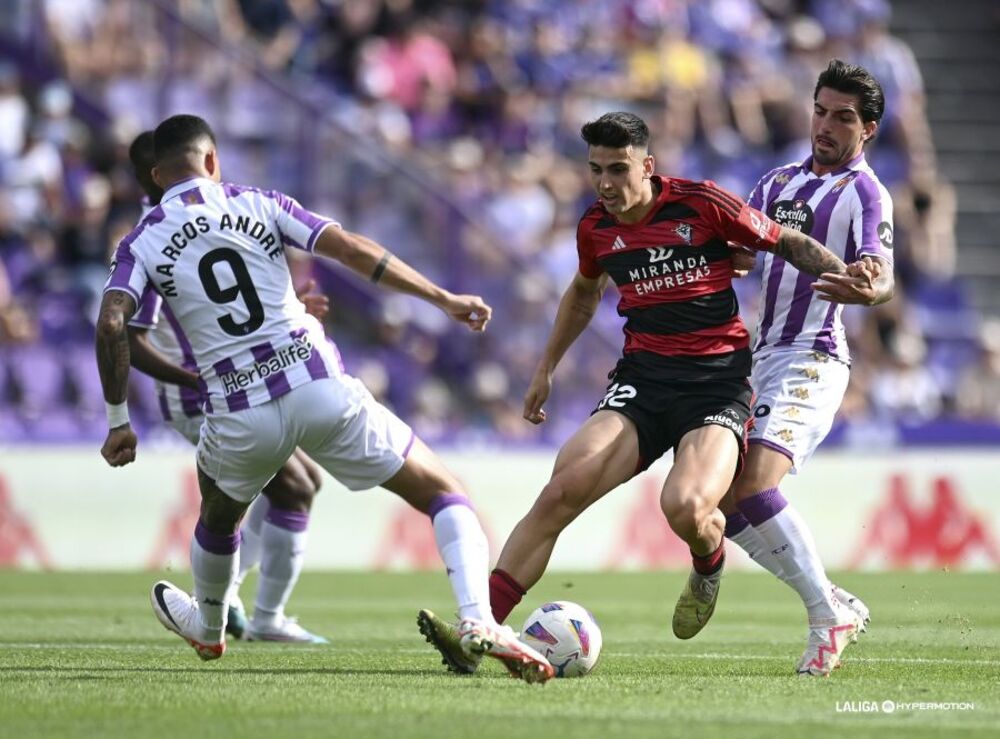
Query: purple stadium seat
x=82 y=373
x=37 y=372
x=60 y=426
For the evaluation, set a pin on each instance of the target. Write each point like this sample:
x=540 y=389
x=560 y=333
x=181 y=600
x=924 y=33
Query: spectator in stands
x=457 y=98
x=979 y=387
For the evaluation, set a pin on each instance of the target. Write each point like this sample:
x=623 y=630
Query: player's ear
x=211 y=162
x=158 y=178
x=648 y=166
x=869 y=131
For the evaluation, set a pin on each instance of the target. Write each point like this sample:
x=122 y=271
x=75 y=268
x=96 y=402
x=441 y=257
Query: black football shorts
x=664 y=410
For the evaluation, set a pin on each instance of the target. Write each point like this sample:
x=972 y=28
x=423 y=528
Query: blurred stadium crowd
x=450 y=132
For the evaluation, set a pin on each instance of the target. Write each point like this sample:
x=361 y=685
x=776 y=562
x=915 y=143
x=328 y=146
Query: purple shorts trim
x=774 y=446
x=446 y=500
x=216 y=543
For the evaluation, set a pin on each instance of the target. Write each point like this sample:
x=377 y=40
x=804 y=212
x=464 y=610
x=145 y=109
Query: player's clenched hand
x=468 y=309
x=538 y=393
x=317 y=304
x=119 y=447
x=742 y=260
x=854 y=287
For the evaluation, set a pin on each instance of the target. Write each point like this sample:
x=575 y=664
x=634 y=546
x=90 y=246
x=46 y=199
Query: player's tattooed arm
x=112 y=344
x=868 y=281
x=884 y=283
x=807 y=254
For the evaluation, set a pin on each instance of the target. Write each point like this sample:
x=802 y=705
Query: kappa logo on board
x=644 y=539
x=945 y=532
x=173 y=544
x=18 y=540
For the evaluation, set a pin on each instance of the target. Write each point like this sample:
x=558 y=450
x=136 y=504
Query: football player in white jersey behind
x=215 y=253
x=801 y=361
x=275 y=532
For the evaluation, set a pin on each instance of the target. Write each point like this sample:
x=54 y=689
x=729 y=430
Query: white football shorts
x=335 y=420
x=189 y=428
x=797 y=394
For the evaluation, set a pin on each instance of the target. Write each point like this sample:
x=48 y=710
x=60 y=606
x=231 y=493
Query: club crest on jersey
x=619 y=244
x=684 y=231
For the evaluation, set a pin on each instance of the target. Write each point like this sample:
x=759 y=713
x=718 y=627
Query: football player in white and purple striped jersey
x=275 y=530
x=215 y=253
x=800 y=358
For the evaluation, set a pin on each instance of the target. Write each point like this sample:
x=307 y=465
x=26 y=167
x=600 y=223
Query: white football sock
x=213 y=576
x=283 y=538
x=751 y=542
x=250 y=544
x=466 y=555
x=789 y=540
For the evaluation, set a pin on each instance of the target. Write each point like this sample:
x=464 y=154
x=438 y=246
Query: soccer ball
x=567 y=634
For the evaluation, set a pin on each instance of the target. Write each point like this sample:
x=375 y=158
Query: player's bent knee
x=687 y=514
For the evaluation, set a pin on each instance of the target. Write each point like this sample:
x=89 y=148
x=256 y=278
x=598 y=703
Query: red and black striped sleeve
x=735 y=220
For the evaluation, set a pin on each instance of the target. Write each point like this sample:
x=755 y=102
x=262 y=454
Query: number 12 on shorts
x=617 y=395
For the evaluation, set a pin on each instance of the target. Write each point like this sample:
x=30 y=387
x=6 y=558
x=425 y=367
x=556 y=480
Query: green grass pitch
x=81 y=655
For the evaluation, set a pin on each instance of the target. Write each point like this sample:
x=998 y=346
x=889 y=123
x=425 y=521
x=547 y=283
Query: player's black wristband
x=380 y=267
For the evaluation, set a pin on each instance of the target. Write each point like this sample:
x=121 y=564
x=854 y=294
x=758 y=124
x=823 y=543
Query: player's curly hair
x=852 y=79
x=616 y=131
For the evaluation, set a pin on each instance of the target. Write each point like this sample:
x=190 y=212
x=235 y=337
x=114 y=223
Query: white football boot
x=501 y=643
x=697 y=603
x=178 y=612
x=283 y=629
x=828 y=638
x=445 y=638
x=855 y=604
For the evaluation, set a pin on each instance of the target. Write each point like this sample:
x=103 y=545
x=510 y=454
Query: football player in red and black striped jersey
x=681 y=383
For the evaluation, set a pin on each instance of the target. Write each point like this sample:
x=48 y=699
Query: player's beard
x=831 y=157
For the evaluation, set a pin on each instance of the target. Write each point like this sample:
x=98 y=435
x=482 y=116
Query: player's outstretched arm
x=807 y=254
x=150 y=362
x=113 y=363
x=378 y=264
x=868 y=281
x=576 y=308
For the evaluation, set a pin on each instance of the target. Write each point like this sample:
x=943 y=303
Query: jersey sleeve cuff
x=128 y=289
x=311 y=244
